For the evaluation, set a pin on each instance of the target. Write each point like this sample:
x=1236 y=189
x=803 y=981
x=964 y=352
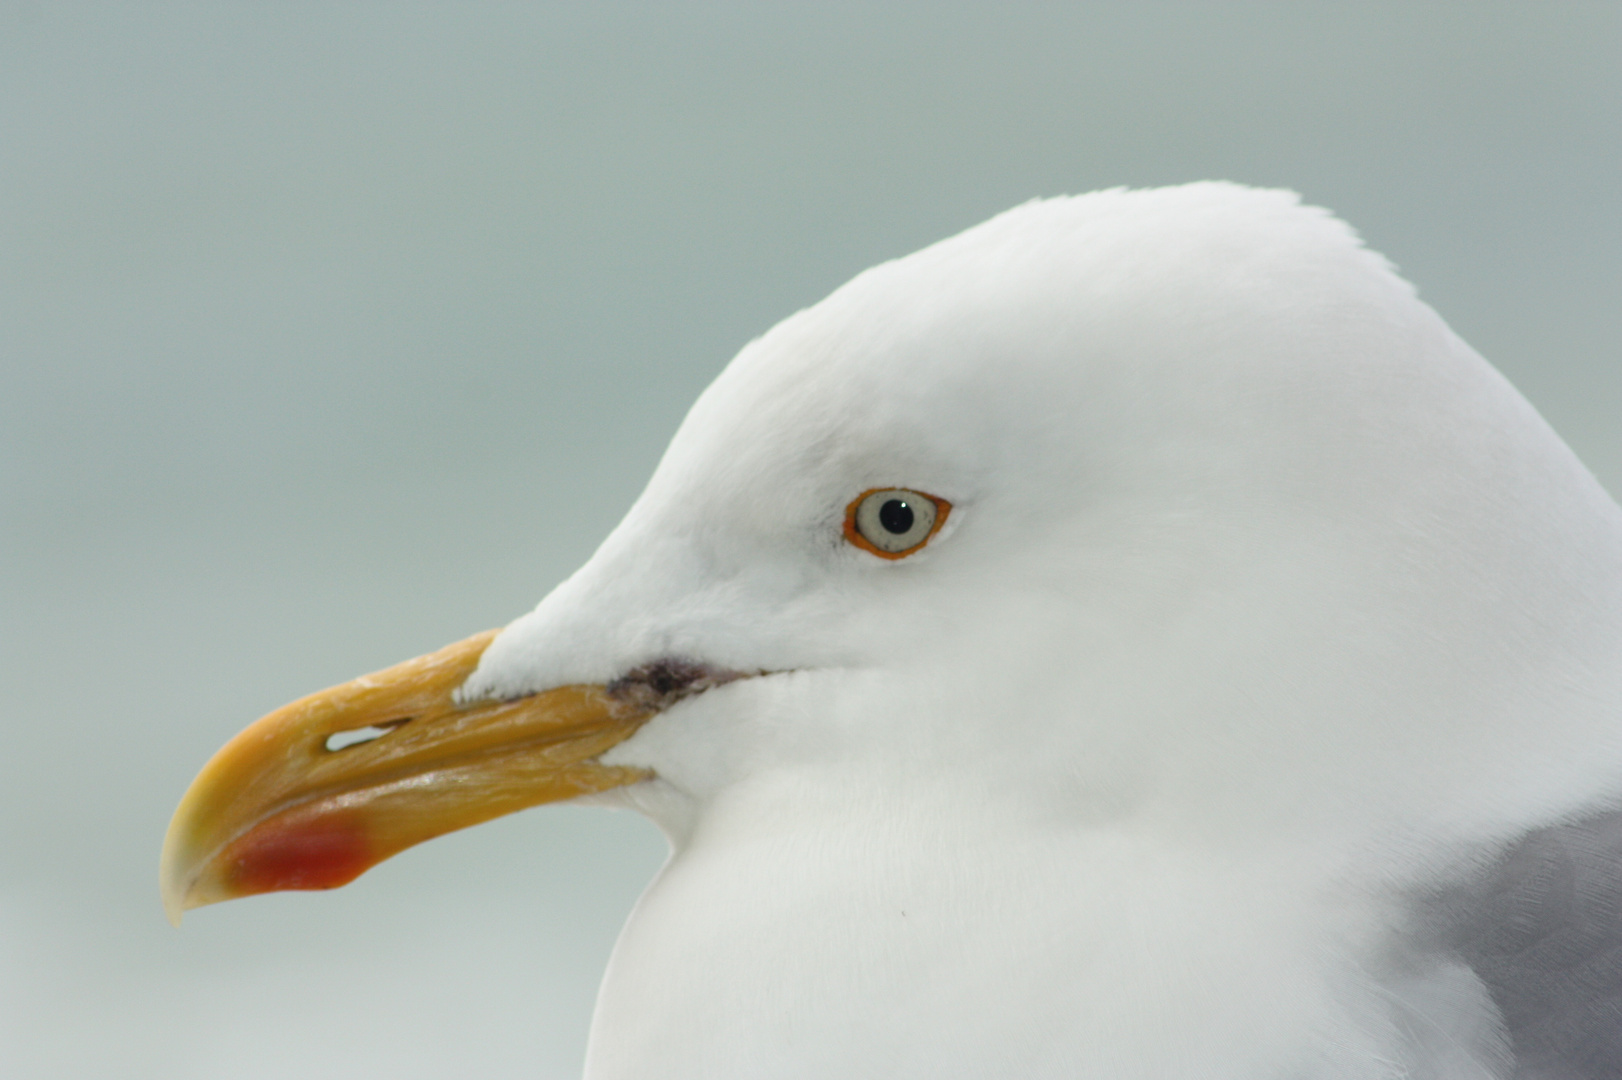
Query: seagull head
x=1067 y=565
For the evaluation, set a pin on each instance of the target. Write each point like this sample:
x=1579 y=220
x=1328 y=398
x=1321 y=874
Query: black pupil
x=896 y=516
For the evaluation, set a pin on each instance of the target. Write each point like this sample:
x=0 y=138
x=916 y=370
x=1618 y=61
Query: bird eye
x=893 y=522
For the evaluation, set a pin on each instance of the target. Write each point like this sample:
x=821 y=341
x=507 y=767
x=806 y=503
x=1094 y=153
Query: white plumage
x=1269 y=621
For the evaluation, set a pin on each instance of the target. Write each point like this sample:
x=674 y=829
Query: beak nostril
x=343 y=740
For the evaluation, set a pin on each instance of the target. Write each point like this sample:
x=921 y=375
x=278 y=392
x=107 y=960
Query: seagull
x=1133 y=638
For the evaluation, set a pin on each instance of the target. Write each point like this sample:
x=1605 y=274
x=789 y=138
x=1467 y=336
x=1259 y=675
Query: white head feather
x=1264 y=604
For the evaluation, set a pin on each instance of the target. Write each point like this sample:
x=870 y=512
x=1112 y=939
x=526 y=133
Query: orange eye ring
x=864 y=513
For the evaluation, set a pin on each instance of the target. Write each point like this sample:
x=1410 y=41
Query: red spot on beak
x=289 y=853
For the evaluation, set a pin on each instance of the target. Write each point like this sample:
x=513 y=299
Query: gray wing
x=1543 y=930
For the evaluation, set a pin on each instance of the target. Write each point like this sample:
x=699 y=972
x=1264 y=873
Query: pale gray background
x=333 y=333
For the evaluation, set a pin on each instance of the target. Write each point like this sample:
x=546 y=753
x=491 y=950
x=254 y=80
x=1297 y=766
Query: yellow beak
x=319 y=791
